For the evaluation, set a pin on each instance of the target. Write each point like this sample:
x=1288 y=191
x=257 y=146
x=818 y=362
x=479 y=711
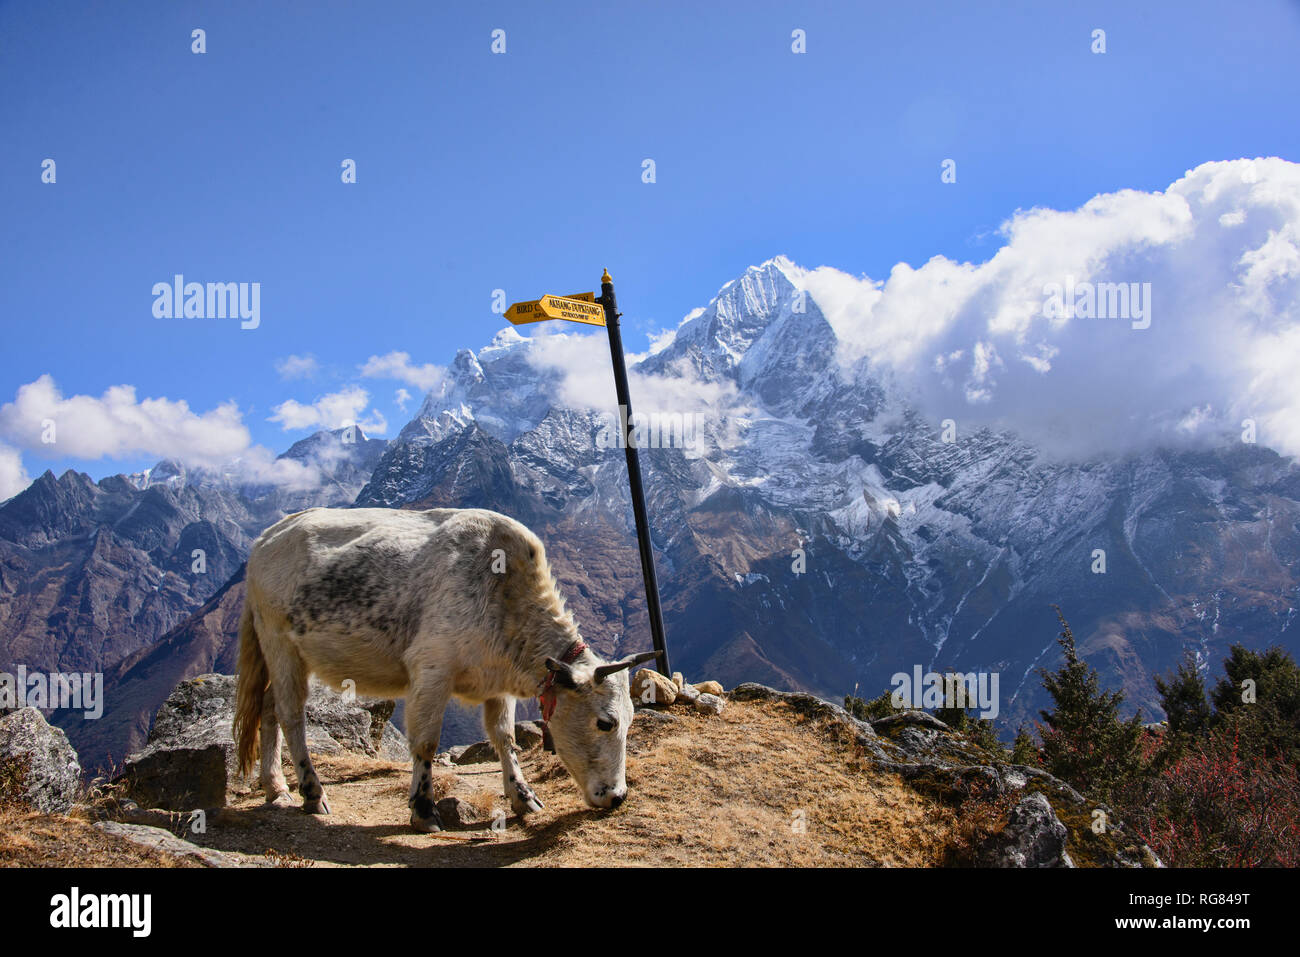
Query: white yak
x=426 y=605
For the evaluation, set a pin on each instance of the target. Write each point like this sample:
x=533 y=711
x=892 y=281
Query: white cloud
x=402 y=398
x=398 y=365
x=297 y=367
x=117 y=424
x=13 y=477
x=1220 y=249
x=583 y=380
x=334 y=410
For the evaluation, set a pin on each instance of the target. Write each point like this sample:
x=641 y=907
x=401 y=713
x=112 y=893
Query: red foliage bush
x=1216 y=807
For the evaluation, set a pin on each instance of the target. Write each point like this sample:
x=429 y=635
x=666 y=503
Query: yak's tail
x=253 y=679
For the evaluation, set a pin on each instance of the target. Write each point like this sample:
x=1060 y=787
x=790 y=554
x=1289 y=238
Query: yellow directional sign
x=581 y=307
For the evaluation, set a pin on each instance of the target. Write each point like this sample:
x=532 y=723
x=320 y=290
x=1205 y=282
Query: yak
x=424 y=605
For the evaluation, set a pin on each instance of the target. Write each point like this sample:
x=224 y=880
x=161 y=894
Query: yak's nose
x=617 y=798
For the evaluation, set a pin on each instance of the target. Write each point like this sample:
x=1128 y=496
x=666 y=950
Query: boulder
x=179 y=776
x=649 y=687
x=708 y=704
x=45 y=768
x=474 y=753
x=458 y=813
x=687 y=694
x=528 y=734
x=1033 y=837
x=168 y=843
x=922 y=719
x=189 y=758
x=709 y=687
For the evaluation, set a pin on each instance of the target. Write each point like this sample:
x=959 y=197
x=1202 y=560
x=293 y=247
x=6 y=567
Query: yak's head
x=593 y=711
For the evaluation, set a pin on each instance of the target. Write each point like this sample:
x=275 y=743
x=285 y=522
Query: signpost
x=586 y=308
x=581 y=307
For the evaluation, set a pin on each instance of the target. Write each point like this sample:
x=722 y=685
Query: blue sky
x=523 y=171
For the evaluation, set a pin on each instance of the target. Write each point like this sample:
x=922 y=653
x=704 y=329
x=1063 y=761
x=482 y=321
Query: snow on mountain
x=819 y=533
x=967 y=542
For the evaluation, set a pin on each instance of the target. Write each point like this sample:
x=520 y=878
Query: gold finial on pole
x=606 y=278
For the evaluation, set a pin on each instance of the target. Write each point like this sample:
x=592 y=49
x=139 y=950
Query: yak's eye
x=604 y=724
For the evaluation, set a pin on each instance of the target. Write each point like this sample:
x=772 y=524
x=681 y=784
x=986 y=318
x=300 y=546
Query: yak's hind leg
x=425 y=704
x=499 y=719
x=289 y=685
x=274 y=785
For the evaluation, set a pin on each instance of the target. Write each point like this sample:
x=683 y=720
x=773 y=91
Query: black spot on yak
x=363 y=587
x=423 y=807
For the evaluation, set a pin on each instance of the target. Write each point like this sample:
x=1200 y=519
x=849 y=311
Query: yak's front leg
x=430 y=692
x=499 y=719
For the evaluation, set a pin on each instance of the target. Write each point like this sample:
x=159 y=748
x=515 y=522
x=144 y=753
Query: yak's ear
x=563 y=674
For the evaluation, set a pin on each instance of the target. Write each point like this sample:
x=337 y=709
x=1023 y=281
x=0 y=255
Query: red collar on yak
x=546 y=697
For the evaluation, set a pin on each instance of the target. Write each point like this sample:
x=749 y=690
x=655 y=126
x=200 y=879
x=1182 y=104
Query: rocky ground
x=752 y=777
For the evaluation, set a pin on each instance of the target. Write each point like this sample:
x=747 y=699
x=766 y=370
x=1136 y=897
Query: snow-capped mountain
x=915 y=550
x=816 y=532
x=91 y=571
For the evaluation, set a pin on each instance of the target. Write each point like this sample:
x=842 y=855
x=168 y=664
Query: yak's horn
x=604 y=671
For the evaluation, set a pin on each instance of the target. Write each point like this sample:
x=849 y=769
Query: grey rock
x=688 y=694
x=1033 y=837
x=168 y=843
x=180 y=777
x=708 y=704
x=474 y=753
x=922 y=718
x=528 y=734
x=393 y=745
x=189 y=760
x=458 y=813
x=51 y=773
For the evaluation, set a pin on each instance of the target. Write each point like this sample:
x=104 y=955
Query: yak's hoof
x=525 y=800
x=424 y=816
x=316 y=805
x=279 y=799
x=426 y=825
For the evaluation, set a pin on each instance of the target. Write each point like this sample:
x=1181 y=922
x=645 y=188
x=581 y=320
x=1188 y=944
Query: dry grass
x=759 y=786
x=31 y=839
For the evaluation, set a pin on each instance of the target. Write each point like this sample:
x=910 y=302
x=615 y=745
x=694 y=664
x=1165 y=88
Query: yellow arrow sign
x=581 y=307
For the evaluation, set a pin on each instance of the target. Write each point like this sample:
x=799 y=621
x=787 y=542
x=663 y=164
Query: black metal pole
x=634 y=471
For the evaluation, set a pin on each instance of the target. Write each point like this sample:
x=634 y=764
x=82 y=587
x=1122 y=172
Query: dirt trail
x=759 y=785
